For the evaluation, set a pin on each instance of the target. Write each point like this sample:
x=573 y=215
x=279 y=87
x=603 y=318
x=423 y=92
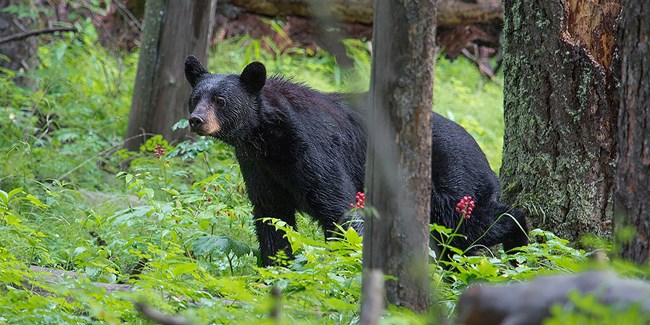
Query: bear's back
x=459 y=163
x=325 y=133
x=311 y=107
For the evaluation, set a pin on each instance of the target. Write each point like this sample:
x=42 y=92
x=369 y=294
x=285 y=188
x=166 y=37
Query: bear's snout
x=196 y=122
x=203 y=119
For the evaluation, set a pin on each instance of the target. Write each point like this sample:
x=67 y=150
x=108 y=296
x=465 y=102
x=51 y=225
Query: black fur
x=459 y=168
x=303 y=150
x=193 y=70
x=253 y=77
x=298 y=149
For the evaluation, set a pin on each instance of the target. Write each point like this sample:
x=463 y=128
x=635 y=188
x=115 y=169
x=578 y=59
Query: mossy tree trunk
x=632 y=205
x=399 y=150
x=560 y=107
x=171 y=31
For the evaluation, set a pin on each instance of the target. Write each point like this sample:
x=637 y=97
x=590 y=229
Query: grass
x=179 y=228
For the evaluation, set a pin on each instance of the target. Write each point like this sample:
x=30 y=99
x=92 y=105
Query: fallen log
x=450 y=12
x=530 y=302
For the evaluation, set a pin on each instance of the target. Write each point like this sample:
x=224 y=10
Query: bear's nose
x=195 y=122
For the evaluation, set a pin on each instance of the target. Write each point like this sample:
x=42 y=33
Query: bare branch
x=158 y=316
x=20 y=36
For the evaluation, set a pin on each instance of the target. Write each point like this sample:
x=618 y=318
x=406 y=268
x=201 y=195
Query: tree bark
x=172 y=30
x=20 y=54
x=450 y=12
x=633 y=169
x=399 y=149
x=560 y=113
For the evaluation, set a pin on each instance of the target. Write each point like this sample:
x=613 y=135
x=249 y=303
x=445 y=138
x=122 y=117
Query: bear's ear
x=253 y=77
x=194 y=70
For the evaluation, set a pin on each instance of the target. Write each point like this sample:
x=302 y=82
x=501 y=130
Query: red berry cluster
x=159 y=151
x=465 y=206
x=361 y=201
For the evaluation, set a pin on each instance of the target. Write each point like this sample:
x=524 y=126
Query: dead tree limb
x=530 y=302
x=23 y=35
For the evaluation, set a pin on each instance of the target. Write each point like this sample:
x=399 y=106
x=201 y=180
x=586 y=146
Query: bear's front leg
x=272 y=240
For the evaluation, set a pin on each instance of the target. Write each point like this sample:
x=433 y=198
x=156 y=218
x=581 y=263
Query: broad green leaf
x=78 y=251
x=12 y=219
x=146 y=191
x=486 y=268
x=170 y=191
x=184 y=268
x=14 y=192
x=35 y=201
x=207 y=244
x=5 y=197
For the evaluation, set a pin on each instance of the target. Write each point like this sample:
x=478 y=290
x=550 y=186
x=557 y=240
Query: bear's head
x=224 y=106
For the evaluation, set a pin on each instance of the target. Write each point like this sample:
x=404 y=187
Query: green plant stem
x=495 y=221
x=232 y=269
x=207 y=162
x=450 y=238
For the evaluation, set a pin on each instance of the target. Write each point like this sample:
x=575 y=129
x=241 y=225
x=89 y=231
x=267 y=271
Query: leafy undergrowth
x=191 y=253
x=174 y=223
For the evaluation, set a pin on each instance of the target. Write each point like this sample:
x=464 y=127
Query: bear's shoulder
x=302 y=104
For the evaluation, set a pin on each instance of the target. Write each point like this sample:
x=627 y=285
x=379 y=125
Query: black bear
x=459 y=168
x=298 y=149
x=303 y=150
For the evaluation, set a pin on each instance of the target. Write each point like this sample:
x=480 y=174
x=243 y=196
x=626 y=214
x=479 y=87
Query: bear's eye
x=221 y=102
x=195 y=100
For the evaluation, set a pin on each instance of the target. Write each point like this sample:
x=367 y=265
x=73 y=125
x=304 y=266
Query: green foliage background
x=178 y=229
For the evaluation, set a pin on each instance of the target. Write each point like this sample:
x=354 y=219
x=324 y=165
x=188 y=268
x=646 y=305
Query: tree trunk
x=560 y=113
x=20 y=53
x=633 y=169
x=399 y=149
x=172 y=30
x=450 y=12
